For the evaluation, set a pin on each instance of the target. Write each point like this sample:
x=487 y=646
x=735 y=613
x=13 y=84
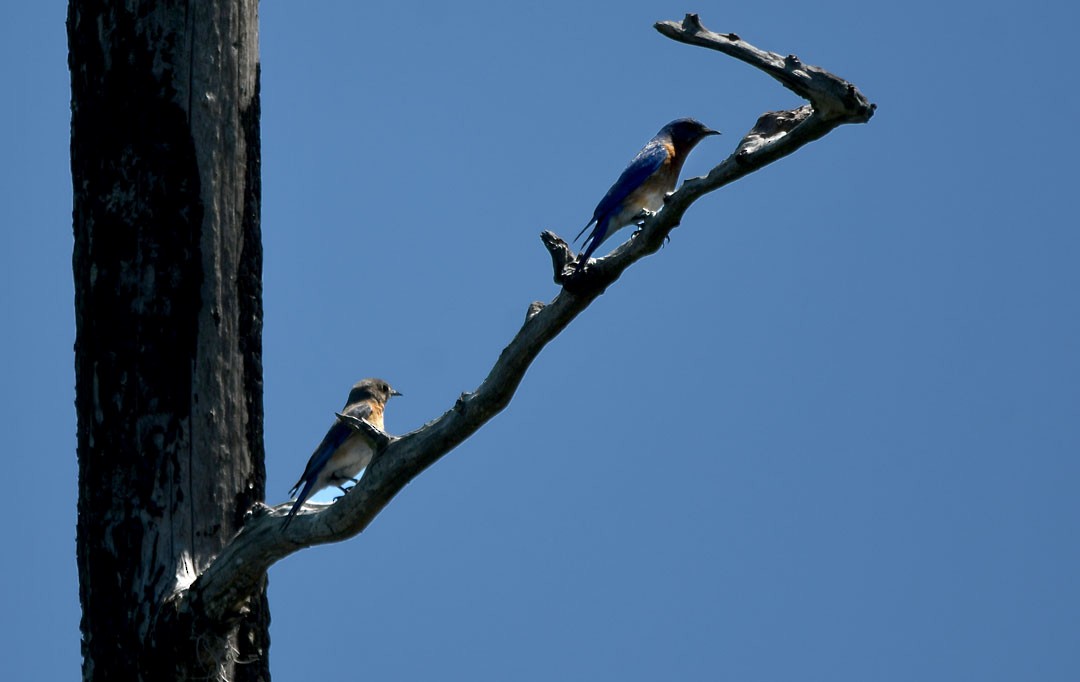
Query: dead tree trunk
x=168 y=297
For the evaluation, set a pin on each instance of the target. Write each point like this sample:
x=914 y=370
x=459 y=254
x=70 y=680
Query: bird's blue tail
x=591 y=242
x=584 y=228
x=306 y=493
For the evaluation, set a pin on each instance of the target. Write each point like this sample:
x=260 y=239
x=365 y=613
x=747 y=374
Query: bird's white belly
x=651 y=199
x=353 y=455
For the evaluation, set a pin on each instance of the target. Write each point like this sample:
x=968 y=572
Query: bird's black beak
x=393 y=392
x=710 y=131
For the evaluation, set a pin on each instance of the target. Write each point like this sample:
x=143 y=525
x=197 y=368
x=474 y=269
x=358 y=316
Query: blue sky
x=830 y=432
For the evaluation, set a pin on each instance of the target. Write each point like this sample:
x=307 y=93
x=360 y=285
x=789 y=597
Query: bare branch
x=831 y=97
x=833 y=102
x=221 y=591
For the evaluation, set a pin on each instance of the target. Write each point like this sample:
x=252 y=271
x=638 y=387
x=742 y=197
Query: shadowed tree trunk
x=168 y=302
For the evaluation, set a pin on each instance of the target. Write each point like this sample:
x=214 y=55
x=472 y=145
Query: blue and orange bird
x=344 y=451
x=650 y=176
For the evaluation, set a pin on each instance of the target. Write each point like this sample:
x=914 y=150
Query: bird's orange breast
x=376 y=416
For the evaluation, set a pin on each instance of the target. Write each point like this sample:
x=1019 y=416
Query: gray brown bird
x=344 y=451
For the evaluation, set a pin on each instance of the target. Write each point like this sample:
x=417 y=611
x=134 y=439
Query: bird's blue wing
x=330 y=443
x=648 y=161
x=361 y=410
x=333 y=439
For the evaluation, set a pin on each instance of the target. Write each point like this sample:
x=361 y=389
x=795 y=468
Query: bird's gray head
x=687 y=132
x=371 y=389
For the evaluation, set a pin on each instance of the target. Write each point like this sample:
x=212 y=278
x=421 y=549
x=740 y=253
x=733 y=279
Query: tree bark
x=167 y=265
